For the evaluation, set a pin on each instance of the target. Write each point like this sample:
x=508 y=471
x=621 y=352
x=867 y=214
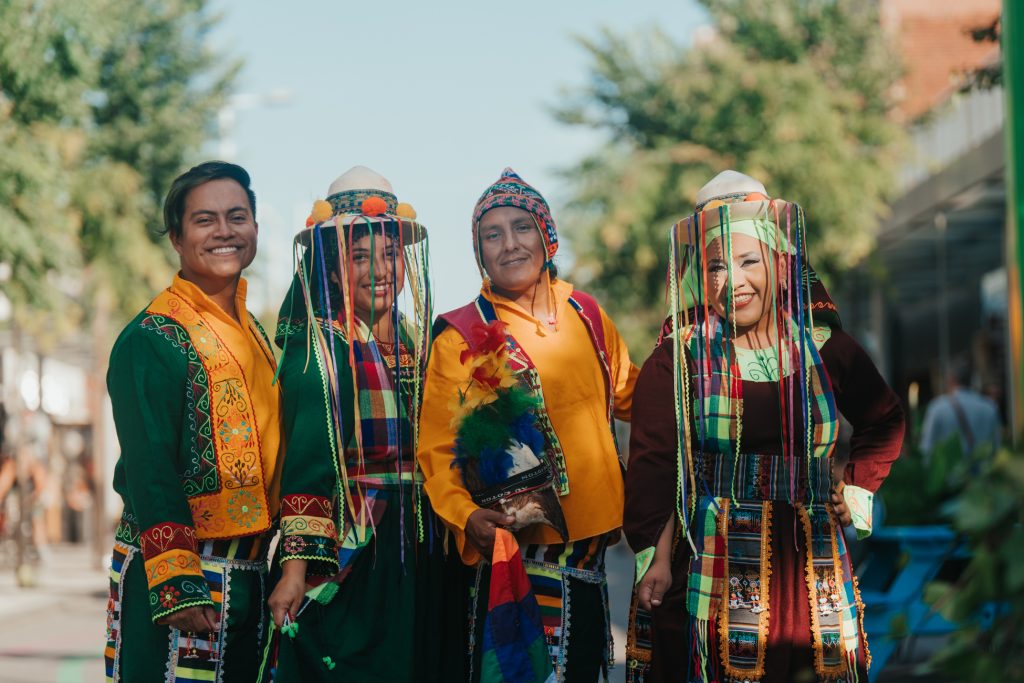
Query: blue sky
x=437 y=97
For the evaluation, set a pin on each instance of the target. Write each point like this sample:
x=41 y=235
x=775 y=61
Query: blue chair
x=897 y=565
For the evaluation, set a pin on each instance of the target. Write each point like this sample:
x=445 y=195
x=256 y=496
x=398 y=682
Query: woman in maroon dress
x=731 y=502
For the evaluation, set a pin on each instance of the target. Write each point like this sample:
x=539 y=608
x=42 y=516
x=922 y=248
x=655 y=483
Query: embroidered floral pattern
x=204 y=340
x=294 y=545
x=828 y=597
x=239 y=430
x=745 y=592
x=244 y=508
x=308 y=532
x=200 y=475
x=225 y=471
x=169 y=596
x=309 y=506
x=160 y=538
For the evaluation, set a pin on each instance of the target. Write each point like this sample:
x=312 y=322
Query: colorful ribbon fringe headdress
x=361 y=203
x=732 y=204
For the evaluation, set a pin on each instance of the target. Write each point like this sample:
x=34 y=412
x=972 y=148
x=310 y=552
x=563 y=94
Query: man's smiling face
x=218 y=234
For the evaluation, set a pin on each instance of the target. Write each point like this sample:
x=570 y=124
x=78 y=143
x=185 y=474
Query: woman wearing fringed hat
x=361 y=590
x=518 y=451
x=742 y=568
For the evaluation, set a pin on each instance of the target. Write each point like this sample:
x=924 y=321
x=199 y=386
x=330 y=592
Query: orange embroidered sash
x=224 y=479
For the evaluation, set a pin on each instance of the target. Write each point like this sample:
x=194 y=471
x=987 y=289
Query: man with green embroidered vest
x=197 y=417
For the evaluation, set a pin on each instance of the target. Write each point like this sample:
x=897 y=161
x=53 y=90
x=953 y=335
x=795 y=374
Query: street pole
x=1012 y=33
x=941 y=275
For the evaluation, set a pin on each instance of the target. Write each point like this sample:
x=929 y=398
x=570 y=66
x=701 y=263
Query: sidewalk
x=54 y=631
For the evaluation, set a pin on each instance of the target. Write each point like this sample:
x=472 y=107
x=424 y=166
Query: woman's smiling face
x=372 y=298
x=751 y=286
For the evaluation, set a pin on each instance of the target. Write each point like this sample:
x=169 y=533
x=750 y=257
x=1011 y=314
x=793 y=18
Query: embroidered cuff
x=174 y=573
x=643 y=563
x=320 y=553
x=176 y=592
x=308 y=533
x=860 y=503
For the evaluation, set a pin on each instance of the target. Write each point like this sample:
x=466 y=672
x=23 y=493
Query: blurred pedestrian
x=742 y=570
x=961 y=412
x=191 y=381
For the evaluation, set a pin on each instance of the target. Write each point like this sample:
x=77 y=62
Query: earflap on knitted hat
x=511 y=190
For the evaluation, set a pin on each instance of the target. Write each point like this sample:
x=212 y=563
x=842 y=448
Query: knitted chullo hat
x=511 y=190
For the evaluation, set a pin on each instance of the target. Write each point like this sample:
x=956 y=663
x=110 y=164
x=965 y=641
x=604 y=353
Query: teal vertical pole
x=1013 y=126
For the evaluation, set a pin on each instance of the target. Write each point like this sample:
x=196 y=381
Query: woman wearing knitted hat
x=732 y=503
x=361 y=592
x=516 y=434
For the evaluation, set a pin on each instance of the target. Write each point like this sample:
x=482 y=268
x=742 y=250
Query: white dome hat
x=346 y=196
x=360 y=178
x=729 y=185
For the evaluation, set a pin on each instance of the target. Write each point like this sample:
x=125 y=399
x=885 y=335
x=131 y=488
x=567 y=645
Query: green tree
x=46 y=68
x=102 y=103
x=793 y=92
x=160 y=87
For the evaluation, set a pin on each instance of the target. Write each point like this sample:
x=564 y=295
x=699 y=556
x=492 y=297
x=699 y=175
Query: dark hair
x=960 y=372
x=174 y=204
x=361 y=230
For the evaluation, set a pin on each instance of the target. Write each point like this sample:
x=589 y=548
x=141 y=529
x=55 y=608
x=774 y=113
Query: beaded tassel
x=682 y=413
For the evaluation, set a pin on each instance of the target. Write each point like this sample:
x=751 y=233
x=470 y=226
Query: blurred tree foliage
x=918 y=487
x=102 y=103
x=988 y=598
x=793 y=92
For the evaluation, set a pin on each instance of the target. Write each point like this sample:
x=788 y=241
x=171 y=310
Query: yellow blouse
x=574 y=393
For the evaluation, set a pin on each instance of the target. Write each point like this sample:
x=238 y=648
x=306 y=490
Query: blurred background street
x=53 y=631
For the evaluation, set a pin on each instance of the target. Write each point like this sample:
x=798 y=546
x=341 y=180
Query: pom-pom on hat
x=511 y=190
x=321 y=211
x=361 y=196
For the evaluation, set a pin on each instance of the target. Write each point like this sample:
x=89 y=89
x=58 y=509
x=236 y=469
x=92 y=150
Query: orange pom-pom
x=322 y=210
x=755 y=197
x=374 y=206
x=309 y=221
x=405 y=210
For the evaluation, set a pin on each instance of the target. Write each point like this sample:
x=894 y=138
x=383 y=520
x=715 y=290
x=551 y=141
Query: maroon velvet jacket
x=861 y=394
x=862 y=397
